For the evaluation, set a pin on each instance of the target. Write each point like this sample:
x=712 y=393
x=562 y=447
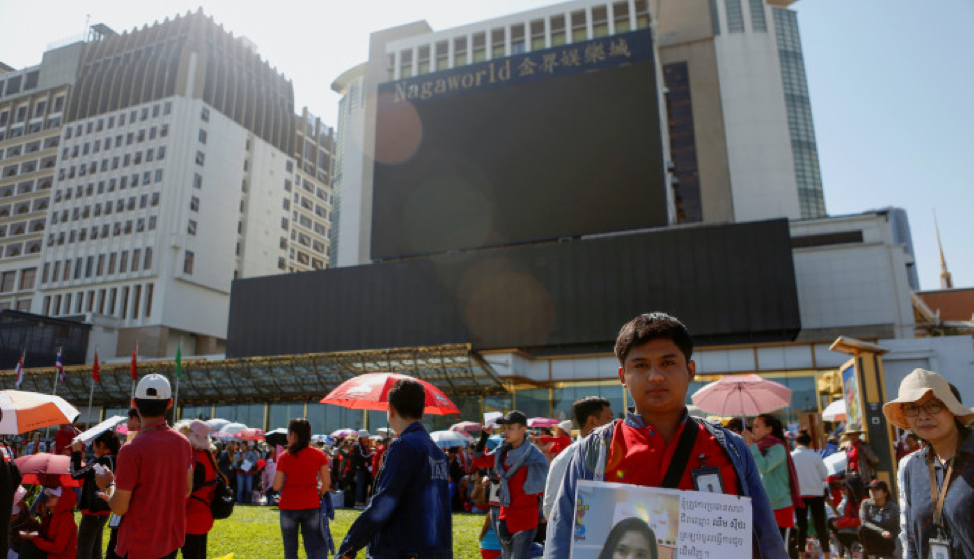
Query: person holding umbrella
x=410 y=509
x=766 y=439
x=94 y=509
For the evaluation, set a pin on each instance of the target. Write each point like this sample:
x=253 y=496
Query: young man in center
x=654 y=351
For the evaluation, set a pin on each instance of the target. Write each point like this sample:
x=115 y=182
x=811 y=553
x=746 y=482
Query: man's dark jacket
x=409 y=516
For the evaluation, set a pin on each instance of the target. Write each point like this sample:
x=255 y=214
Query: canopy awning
x=456 y=369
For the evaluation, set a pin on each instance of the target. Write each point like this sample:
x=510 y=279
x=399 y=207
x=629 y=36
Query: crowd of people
x=162 y=488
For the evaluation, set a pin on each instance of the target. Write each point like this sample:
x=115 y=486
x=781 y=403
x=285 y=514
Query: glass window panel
x=533 y=402
x=564 y=397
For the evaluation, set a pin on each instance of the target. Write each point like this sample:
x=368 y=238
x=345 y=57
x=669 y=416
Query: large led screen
x=549 y=144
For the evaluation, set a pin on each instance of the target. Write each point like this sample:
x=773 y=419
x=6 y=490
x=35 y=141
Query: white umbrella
x=28 y=411
x=835 y=411
x=232 y=428
x=94 y=432
x=449 y=439
x=216 y=424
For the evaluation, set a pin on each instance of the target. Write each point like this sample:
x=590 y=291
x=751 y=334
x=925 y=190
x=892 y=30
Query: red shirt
x=300 y=490
x=522 y=514
x=640 y=456
x=852 y=457
x=154 y=467
x=558 y=443
x=199 y=519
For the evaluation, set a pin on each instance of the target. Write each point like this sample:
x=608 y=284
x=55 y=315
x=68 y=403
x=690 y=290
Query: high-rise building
x=146 y=173
x=739 y=140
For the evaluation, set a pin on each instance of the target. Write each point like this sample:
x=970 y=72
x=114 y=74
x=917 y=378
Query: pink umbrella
x=467 y=427
x=742 y=395
x=542 y=422
x=249 y=434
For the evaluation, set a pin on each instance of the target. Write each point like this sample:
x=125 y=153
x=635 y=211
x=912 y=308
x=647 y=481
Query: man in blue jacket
x=654 y=351
x=409 y=516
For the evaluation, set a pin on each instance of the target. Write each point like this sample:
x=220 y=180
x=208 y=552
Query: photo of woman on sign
x=630 y=539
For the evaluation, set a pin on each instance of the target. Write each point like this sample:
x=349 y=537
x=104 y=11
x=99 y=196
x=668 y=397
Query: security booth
x=864 y=389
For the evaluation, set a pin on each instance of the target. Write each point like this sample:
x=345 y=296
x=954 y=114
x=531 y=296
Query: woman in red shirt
x=302 y=477
x=199 y=519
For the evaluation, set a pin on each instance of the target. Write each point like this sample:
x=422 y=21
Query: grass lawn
x=255 y=533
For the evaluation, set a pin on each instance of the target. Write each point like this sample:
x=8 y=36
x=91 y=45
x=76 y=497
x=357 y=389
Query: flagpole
x=179 y=373
x=91 y=395
x=135 y=358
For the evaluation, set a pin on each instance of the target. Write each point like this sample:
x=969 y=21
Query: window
x=7 y=281
x=148 y=299
x=205 y=114
x=188 y=263
x=148 y=260
x=100 y=269
x=202 y=136
x=197 y=180
x=111 y=263
x=113 y=296
x=136 y=259
x=194 y=204
x=125 y=302
x=191 y=229
x=123 y=262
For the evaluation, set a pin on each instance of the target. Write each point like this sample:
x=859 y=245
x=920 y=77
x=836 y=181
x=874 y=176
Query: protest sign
x=678 y=524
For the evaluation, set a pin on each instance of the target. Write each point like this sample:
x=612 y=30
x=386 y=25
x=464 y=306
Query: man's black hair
x=735 y=424
x=151 y=408
x=110 y=440
x=804 y=439
x=408 y=398
x=651 y=326
x=588 y=406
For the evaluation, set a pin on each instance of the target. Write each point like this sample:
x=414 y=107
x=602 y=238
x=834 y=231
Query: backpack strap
x=681 y=457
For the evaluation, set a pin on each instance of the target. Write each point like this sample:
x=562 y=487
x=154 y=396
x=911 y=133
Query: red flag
x=134 y=371
x=94 y=369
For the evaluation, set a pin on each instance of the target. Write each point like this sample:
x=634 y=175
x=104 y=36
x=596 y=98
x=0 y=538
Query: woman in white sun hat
x=927 y=407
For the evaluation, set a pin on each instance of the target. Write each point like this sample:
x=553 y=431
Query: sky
x=891 y=85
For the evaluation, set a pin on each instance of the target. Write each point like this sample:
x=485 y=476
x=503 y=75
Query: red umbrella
x=44 y=468
x=249 y=434
x=370 y=392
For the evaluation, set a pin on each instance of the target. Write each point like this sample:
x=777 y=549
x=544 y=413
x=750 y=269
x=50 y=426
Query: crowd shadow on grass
x=255 y=533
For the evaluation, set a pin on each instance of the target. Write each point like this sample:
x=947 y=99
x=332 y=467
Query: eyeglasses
x=933 y=407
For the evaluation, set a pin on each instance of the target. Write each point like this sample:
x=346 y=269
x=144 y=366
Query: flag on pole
x=60 y=367
x=179 y=360
x=94 y=369
x=19 y=371
x=134 y=371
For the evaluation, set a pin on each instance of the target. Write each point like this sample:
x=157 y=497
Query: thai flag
x=60 y=367
x=19 y=371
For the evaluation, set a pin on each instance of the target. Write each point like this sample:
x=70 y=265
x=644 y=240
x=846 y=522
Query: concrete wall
x=762 y=166
x=858 y=289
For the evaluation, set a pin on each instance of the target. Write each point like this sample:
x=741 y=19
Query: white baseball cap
x=153 y=387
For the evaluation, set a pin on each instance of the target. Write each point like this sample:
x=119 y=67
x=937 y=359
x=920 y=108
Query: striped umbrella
x=28 y=411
